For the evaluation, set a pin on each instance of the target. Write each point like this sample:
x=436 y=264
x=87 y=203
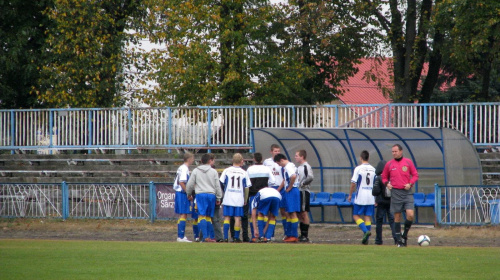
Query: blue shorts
x=181 y=203
x=283 y=198
x=270 y=204
x=293 y=200
x=206 y=204
x=232 y=211
x=194 y=211
x=363 y=210
x=250 y=205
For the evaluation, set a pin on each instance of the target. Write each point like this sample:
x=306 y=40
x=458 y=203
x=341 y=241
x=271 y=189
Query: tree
x=84 y=63
x=407 y=25
x=22 y=40
x=474 y=49
x=250 y=52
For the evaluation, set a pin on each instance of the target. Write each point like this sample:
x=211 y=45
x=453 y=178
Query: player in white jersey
x=292 y=197
x=236 y=187
x=364 y=202
x=278 y=178
x=182 y=204
x=265 y=203
x=261 y=177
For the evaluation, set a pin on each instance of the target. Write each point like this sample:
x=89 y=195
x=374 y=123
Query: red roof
x=361 y=89
x=374 y=77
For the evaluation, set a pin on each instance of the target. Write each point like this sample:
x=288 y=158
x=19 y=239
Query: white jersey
x=235 y=180
x=275 y=169
x=263 y=194
x=261 y=177
x=363 y=177
x=289 y=171
x=182 y=176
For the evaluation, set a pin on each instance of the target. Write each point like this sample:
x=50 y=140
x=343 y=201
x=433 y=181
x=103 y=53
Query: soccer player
x=278 y=179
x=364 y=202
x=205 y=182
x=236 y=188
x=261 y=177
x=292 y=196
x=265 y=203
x=182 y=204
x=399 y=176
x=306 y=177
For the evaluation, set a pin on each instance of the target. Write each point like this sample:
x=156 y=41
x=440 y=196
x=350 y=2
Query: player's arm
x=385 y=176
x=309 y=177
x=351 y=190
x=414 y=174
x=190 y=185
x=292 y=181
x=282 y=185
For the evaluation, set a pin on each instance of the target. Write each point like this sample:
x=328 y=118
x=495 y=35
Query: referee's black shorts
x=305 y=197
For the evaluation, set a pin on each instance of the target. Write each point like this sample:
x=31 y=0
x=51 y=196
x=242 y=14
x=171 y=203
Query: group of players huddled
x=276 y=185
x=268 y=187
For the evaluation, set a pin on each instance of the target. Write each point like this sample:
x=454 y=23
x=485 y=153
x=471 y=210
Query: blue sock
x=289 y=228
x=210 y=227
x=294 y=227
x=251 y=229
x=361 y=224
x=261 y=224
x=270 y=229
x=236 y=232
x=283 y=222
x=202 y=223
x=181 y=228
x=226 y=229
x=196 y=229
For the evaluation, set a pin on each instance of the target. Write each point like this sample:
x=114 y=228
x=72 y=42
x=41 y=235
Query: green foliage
x=250 y=52
x=22 y=39
x=160 y=260
x=85 y=58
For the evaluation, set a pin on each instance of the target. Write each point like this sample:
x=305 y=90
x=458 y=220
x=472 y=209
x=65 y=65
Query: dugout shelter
x=441 y=155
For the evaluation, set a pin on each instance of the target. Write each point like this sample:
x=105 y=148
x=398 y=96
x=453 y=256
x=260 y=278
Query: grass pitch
x=41 y=259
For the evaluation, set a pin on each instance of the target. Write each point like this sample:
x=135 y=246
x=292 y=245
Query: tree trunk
x=435 y=59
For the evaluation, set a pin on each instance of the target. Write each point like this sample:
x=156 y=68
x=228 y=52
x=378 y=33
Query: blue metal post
x=209 y=130
x=89 y=127
x=293 y=117
x=437 y=203
x=425 y=116
x=250 y=131
x=152 y=201
x=51 y=129
x=65 y=200
x=12 y=130
x=129 y=134
x=336 y=116
x=169 y=128
x=471 y=123
x=389 y=116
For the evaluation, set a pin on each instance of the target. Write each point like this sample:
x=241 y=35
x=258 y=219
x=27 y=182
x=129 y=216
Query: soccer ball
x=424 y=240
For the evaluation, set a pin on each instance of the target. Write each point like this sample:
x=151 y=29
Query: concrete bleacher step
x=98 y=168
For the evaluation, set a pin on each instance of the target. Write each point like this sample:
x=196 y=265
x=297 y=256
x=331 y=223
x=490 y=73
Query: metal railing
x=467 y=205
x=51 y=130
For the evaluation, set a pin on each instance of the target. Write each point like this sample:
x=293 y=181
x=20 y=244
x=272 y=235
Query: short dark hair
x=399 y=147
x=279 y=157
x=302 y=153
x=206 y=158
x=257 y=157
x=275 y=146
x=365 y=155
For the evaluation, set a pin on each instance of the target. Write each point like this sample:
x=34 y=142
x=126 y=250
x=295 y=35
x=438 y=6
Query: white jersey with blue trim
x=235 y=180
x=263 y=194
x=182 y=176
x=363 y=177
x=289 y=171
x=276 y=170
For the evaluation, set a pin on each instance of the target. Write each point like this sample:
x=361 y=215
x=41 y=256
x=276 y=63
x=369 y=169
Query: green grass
x=42 y=259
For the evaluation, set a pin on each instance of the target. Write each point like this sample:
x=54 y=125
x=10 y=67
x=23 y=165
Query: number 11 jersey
x=235 y=180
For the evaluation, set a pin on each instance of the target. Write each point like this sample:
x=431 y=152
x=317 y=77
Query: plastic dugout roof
x=441 y=155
